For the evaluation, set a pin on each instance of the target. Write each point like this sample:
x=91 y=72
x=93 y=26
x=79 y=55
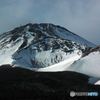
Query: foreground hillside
x=19 y=83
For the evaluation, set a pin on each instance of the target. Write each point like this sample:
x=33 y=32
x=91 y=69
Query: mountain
x=46 y=61
x=35 y=46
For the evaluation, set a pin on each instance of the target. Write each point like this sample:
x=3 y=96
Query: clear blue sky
x=79 y=16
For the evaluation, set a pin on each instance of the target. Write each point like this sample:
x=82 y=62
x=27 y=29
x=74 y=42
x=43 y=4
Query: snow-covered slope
x=58 y=32
x=46 y=53
x=89 y=65
x=40 y=45
x=97 y=83
x=8 y=47
x=62 y=65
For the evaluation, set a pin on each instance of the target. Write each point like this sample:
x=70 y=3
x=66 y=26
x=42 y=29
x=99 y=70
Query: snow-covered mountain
x=49 y=48
x=40 y=45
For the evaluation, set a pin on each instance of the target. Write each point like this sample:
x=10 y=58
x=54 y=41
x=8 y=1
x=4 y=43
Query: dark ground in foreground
x=19 y=83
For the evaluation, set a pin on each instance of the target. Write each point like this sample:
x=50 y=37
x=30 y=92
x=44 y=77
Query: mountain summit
x=40 y=45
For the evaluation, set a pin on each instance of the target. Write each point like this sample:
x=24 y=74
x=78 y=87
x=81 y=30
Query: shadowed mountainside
x=19 y=83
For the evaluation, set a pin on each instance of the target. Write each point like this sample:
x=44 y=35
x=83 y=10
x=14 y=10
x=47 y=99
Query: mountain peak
x=51 y=30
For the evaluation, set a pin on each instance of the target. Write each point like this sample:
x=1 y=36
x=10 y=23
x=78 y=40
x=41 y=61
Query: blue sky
x=79 y=16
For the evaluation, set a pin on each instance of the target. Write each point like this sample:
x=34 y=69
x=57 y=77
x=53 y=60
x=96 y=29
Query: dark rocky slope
x=19 y=83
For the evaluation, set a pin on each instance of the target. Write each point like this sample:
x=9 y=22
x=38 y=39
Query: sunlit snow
x=6 y=54
x=61 y=66
x=97 y=83
x=89 y=65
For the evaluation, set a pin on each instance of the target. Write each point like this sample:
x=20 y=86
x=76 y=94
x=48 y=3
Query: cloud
x=13 y=13
x=79 y=16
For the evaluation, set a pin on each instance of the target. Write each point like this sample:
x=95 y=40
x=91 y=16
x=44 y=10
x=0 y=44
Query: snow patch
x=97 y=83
